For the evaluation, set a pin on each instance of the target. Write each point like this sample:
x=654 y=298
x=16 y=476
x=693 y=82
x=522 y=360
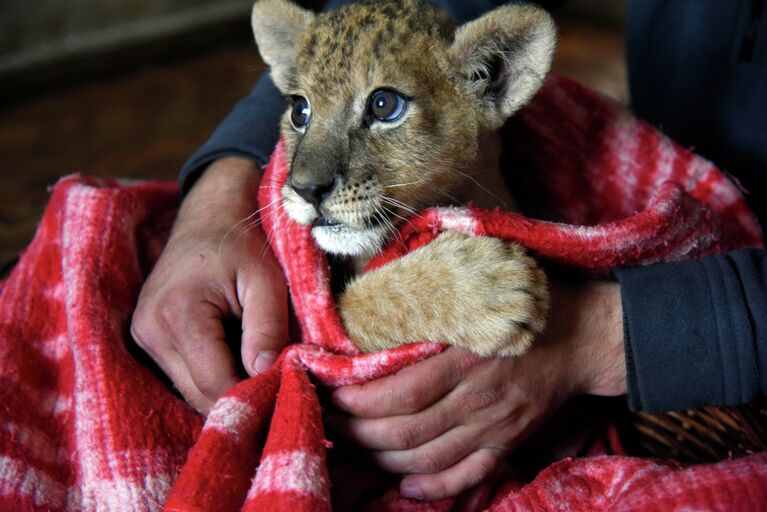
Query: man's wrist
x=609 y=376
x=598 y=350
x=228 y=187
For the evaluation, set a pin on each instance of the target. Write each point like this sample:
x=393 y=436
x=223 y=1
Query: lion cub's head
x=389 y=104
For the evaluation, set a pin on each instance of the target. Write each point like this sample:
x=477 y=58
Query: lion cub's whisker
x=270 y=236
x=392 y=212
x=404 y=219
x=477 y=183
x=451 y=197
x=381 y=211
x=236 y=224
x=397 y=185
x=396 y=202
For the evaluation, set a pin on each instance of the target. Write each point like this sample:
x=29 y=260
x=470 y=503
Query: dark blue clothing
x=698 y=71
x=696 y=332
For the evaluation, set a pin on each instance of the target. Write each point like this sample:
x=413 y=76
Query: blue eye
x=386 y=106
x=300 y=111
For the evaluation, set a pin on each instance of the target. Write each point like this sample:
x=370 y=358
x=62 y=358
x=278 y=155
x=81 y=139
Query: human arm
x=448 y=421
x=213 y=267
x=695 y=330
x=697 y=335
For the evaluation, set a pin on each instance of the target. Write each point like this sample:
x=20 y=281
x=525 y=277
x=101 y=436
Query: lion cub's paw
x=474 y=292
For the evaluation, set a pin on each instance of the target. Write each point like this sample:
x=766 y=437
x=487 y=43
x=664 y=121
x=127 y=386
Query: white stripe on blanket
x=295 y=471
x=228 y=415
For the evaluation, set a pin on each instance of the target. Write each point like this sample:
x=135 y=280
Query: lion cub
x=393 y=109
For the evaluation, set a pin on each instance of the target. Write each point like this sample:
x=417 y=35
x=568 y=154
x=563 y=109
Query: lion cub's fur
x=460 y=85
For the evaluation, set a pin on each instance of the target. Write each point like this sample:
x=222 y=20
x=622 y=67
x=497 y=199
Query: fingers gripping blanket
x=86 y=426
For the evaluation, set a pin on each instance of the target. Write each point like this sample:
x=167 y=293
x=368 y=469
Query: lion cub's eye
x=300 y=111
x=386 y=105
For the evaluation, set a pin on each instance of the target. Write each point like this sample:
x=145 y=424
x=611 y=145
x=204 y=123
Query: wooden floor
x=143 y=124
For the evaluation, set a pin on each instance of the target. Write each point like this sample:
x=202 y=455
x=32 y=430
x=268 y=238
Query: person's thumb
x=264 y=318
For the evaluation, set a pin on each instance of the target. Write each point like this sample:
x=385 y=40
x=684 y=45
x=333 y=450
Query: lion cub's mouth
x=339 y=238
x=325 y=222
x=342 y=228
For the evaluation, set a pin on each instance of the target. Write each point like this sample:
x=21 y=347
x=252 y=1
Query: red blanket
x=86 y=426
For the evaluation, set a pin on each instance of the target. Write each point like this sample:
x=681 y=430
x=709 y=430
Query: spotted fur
x=459 y=85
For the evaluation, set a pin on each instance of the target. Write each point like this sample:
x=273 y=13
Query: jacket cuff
x=691 y=336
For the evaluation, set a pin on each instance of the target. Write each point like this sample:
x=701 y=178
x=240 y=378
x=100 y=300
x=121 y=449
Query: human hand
x=213 y=267
x=447 y=422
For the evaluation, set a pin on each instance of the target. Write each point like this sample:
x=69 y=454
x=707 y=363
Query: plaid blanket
x=85 y=425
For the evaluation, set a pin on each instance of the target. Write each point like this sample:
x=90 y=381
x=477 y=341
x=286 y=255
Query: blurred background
x=130 y=88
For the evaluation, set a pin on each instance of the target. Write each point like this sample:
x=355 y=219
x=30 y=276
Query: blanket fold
x=86 y=426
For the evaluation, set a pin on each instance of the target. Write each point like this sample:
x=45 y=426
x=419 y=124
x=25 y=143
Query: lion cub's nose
x=314 y=192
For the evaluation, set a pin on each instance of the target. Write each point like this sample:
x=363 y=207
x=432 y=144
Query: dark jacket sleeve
x=696 y=331
x=252 y=128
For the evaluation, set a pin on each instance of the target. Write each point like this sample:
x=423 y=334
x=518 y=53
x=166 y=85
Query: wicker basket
x=709 y=434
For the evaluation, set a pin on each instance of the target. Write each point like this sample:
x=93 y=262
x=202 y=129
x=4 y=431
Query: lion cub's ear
x=278 y=26
x=504 y=57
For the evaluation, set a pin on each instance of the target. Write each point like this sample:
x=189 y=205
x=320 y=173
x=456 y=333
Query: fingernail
x=264 y=361
x=411 y=491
